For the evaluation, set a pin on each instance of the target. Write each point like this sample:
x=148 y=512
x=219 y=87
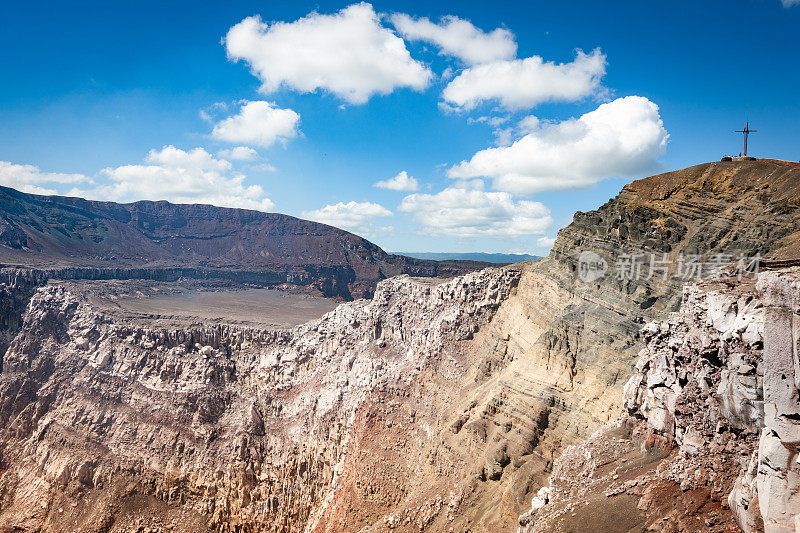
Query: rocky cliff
x=710 y=438
x=429 y=407
x=571 y=344
x=108 y=424
x=73 y=238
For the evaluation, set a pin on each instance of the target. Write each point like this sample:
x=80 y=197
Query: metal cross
x=747 y=131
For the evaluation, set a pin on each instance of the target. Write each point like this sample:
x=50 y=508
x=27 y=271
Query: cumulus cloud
x=790 y=3
x=349 y=54
x=474 y=213
x=239 y=153
x=458 y=38
x=28 y=178
x=545 y=242
x=182 y=177
x=258 y=123
x=525 y=83
x=352 y=216
x=401 y=182
x=168 y=174
x=621 y=138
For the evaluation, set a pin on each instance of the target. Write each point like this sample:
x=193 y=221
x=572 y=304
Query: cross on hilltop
x=746 y=131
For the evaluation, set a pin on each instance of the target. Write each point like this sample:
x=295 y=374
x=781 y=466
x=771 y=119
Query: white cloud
x=494 y=122
x=545 y=242
x=239 y=153
x=352 y=216
x=263 y=167
x=168 y=174
x=348 y=53
x=506 y=136
x=258 y=123
x=529 y=124
x=620 y=138
x=503 y=136
x=790 y=3
x=208 y=113
x=475 y=213
x=28 y=178
x=458 y=38
x=182 y=177
x=525 y=83
x=401 y=182
x=477 y=184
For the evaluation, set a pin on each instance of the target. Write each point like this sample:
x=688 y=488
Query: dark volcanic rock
x=75 y=238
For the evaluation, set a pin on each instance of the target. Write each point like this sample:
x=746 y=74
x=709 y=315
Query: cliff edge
x=433 y=406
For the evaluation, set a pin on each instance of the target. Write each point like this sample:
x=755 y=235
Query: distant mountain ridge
x=473 y=256
x=77 y=238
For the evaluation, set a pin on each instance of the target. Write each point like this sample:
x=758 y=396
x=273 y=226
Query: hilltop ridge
x=73 y=237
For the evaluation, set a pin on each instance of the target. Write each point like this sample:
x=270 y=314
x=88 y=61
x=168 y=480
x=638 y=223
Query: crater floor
x=191 y=302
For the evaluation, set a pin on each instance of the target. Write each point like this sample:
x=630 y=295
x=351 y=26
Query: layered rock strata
x=573 y=344
x=710 y=439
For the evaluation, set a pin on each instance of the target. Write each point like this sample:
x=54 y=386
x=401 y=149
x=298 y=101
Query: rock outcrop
x=225 y=428
x=712 y=417
x=778 y=474
x=431 y=407
x=573 y=344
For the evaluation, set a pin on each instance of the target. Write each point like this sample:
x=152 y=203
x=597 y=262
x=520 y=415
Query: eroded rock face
x=574 y=344
x=778 y=478
x=374 y=420
x=717 y=381
x=710 y=352
x=694 y=409
x=226 y=428
x=16 y=288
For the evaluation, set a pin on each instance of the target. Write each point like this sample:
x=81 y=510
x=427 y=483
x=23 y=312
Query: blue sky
x=147 y=100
